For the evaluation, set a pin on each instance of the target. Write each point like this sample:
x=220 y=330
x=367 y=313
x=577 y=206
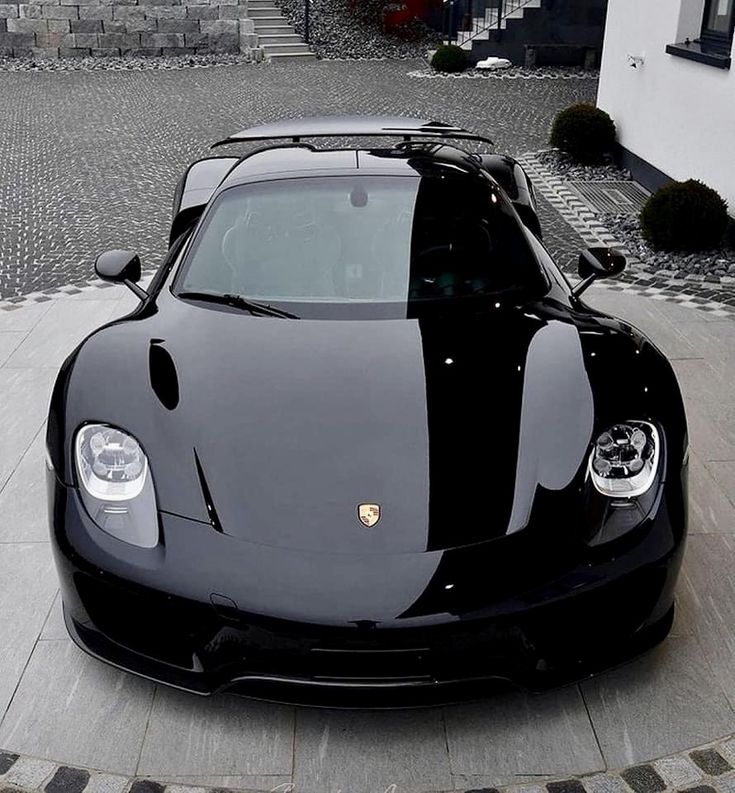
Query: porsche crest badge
x=369 y=514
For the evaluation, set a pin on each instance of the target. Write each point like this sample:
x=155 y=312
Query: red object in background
x=394 y=19
x=411 y=9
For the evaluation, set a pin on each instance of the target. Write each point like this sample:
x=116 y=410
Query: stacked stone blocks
x=81 y=28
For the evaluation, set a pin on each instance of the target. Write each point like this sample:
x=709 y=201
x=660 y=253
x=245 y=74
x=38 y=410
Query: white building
x=667 y=82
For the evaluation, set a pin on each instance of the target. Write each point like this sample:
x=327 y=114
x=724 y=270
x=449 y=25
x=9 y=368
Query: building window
x=714 y=45
x=717 y=28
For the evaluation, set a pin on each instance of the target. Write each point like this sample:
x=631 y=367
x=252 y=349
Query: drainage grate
x=617 y=198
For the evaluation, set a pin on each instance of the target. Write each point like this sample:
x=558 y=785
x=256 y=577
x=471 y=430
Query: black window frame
x=712 y=48
x=715 y=40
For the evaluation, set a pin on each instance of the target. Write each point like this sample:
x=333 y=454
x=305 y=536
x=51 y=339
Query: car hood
x=276 y=431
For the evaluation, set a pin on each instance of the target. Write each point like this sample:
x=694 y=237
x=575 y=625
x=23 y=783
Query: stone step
x=274 y=30
x=483 y=26
x=269 y=22
x=297 y=48
x=291 y=57
x=278 y=38
x=267 y=12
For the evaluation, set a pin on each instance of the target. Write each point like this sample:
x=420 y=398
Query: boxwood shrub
x=585 y=132
x=449 y=58
x=685 y=216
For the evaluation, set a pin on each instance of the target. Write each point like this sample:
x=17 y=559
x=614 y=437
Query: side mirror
x=120 y=267
x=597 y=263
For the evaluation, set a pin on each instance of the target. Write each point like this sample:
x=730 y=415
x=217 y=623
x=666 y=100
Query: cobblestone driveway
x=89 y=160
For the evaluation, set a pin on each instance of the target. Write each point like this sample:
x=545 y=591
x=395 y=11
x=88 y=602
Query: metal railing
x=465 y=20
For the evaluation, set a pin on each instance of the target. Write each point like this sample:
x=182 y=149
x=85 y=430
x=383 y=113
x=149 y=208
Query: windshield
x=360 y=241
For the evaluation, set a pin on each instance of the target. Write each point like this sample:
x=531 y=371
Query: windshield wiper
x=238 y=301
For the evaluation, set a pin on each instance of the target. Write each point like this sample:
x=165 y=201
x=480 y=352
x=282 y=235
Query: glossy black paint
x=118 y=266
x=353 y=126
x=513 y=179
x=597 y=263
x=194 y=190
x=602 y=262
x=470 y=425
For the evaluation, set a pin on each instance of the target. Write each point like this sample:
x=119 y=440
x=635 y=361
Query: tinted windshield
x=392 y=240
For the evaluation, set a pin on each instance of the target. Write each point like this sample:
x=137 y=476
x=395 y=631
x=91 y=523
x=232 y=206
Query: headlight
x=116 y=484
x=624 y=461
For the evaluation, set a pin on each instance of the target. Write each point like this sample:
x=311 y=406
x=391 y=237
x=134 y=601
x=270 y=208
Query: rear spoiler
x=352 y=127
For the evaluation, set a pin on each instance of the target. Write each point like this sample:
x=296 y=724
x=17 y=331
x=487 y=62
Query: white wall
x=676 y=114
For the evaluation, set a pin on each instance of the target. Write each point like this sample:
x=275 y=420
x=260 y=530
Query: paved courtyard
x=89 y=161
x=57 y=704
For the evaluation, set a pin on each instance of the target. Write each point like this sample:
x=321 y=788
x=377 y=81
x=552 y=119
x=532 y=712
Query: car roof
x=425 y=146
x=299 y=160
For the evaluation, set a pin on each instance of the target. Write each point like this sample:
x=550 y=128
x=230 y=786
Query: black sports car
x=361 y=437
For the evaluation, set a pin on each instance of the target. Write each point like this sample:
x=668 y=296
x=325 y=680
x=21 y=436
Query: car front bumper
x=137 y=611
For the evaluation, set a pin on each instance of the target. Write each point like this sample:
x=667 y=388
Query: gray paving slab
x=54 y=628
x=223 y=735
x=29 y=772
x=70 y=707
x=526 y=788
x=710 y=509
x=652 y=317
x=518 y=735
x=59 y=331
x=631 y=307
x=362 y=752
x=125 y=303
x=678 y=771
x=278 y=783
x=706 y=596
x=662 y=703
x=710 y=409
x=723 y=472
x=9 y=340
x=185 y=789
x=98 y=291
x=107 y=783
x=715 y=340
x=675 y=698
x=27 y=589
x=25 y=318
x=25 y=395
x=605 y=783
x=724 y=784
x=23 y=498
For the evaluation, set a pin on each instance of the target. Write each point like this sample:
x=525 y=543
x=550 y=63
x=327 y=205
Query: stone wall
x=79 y=28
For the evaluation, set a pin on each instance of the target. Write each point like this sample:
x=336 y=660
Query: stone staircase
x=483 y=27
x=276 y=35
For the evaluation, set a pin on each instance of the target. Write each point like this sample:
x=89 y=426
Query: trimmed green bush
x=685 y=216
x=449 y=58
x=585 y=132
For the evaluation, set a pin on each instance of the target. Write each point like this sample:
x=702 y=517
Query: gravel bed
x=512 y=73
x=337 y=33
x=707 y=265
x=121 y=64
x=562 y=165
